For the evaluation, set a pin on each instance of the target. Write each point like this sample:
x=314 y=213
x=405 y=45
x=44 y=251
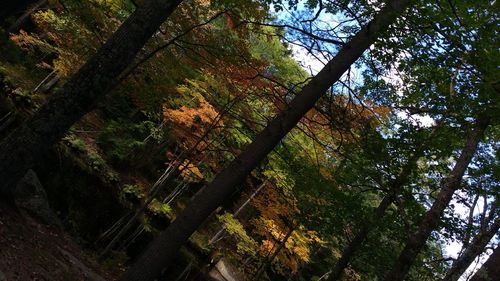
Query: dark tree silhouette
x=29 y=143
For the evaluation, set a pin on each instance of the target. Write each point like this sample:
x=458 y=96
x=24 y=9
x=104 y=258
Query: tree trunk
x=360 y=237
x=474 y=249
x=431 y=220
x=358 y=240
x=164 y=249
x=470 y=223
x=490 y=271
x=270 y=260
x=27 y=145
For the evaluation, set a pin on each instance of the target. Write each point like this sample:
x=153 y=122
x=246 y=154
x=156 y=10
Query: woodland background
x=338 y=198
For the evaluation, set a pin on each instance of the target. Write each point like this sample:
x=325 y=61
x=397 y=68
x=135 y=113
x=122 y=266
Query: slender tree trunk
x=394 y=189
x=360 y=237
x=163 y=250
x=474 y=249
x=490 y=271
x=28 y=144
x=270 y=260
x=358 y=240
x=448 y=186
x=170 y=173
x=470 y=223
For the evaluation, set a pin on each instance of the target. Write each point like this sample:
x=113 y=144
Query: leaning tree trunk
x=27 y=145
x=475 y=248
x=431 y=220
x=394 y=188
x=490 y=271
x=358 y=240
x=164 y=249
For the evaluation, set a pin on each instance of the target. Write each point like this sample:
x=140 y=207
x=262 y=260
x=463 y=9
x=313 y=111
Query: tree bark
x=490 y=271
x=474 y=249
x=27 y=145
x=164 y=249
x=431 y=220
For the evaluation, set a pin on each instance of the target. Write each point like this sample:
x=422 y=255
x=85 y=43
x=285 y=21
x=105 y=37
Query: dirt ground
x=30 y=250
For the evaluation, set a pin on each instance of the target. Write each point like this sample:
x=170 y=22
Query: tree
x=29 y=143
x=475 y=248
x=431 y=220
x=394 y=189
x=270 y=259
x=490 y=269
x=164 y=249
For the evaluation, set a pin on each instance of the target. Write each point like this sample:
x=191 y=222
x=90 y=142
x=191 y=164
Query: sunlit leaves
x=245 y=244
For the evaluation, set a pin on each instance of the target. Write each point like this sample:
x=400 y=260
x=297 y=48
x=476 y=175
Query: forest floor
x=30 y=250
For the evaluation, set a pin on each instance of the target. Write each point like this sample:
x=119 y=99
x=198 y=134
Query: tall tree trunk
x=490 y=271
x=431 y=220
x=470 y=222
x=164 y=249
x=474 y=249
x=28 y=144
x=394 y=189
x=358 y=240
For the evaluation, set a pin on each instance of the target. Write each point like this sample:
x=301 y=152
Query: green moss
x=160 y=208
x=90 y=160
x=76 y=143
x=201 y=241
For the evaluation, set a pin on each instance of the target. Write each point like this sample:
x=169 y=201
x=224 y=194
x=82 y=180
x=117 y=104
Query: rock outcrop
x=30 y=196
